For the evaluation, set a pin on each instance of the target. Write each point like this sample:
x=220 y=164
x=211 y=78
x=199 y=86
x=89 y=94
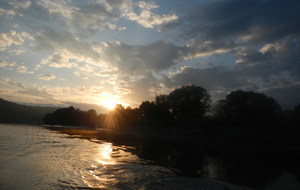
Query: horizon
x=125 y=52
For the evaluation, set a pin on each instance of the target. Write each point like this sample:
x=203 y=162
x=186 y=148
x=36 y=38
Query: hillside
x=15 y=113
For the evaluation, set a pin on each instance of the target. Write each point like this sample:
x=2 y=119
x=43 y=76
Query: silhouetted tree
x=250 y=106
x=91 y=118
x=115 y=118
x=155 y=113
x=147 y=111
x=161 y=99
x=131 y=117
x=189 y=102
x=72 y=116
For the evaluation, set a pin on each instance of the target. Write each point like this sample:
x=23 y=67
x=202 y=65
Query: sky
x=65 y=52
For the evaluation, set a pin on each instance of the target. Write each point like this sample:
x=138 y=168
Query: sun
x=109 y=103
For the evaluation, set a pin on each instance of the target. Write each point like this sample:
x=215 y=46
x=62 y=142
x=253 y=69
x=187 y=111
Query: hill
x=15 y=113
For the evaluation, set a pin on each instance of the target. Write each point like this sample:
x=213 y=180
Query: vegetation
x=250 y=107
x=185 y=107
x=72 y=116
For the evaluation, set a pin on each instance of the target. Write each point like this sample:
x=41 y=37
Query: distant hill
x=15 y=113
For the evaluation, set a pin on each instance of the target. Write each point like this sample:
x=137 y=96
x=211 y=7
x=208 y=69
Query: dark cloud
x=263 y=35
x=274 y=69
x=271 y=60
x=211 y=78
x=139 y=59
x=250 y=20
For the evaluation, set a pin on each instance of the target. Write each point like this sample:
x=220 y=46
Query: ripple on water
x=37 y=158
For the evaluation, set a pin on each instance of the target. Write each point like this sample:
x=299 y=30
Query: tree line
x=187 y=106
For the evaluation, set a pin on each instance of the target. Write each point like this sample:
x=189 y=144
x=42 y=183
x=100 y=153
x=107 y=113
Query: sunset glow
x=65 y=53
x=109 y=103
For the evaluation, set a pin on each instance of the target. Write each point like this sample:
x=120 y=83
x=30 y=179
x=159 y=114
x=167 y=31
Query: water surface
x=33 y=157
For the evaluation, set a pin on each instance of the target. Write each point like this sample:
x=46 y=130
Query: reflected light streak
x=103 y=156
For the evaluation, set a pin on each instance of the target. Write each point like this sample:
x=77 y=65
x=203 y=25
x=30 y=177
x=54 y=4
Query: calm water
x=33 y=157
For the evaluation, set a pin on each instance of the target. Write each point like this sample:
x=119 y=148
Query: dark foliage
x=72 y=116
x=250 y=107
x=122 y=118
x=188 y=102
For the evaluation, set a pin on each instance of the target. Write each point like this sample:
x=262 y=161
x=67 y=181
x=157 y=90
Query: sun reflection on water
x=104 y=154
x=96 y=176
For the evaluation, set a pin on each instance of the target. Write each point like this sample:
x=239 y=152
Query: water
x=33 y=157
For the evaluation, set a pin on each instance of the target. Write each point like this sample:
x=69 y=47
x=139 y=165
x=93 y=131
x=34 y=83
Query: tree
x=91 y=118
x=147 y=111
x=155 y=113
x=161 y=99
x=188 y=101
x=72 y=116
x=251 y=106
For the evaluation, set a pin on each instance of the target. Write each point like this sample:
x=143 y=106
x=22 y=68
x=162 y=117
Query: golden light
x=109 y=103
x=105 y=151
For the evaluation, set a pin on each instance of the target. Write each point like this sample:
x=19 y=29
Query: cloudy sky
x=60 y=52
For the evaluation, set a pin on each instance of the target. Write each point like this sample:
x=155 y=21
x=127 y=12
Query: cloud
x=16 y=51
x=211 y=78
x=8 y=12
x=7 y=64
x=251 y=21
x=10 y=38
x=140 y=59
x=67 y=45
x=147 y=18
x=85 y=72
x=91 y=16
x=261 y=38
x=23 y=69
x=58 y=60
x=157 y=56
x=271 y=59
x=273 y=69
x=46 y=77
x=12 y=83
x=20 y=4
x=195 y=48
x=14 y=8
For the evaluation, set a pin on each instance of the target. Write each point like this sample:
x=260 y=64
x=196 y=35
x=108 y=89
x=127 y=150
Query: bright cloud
x=147 y=18
x=7 y=64
x=10 y=38
x=58 y=61
x=46 y=76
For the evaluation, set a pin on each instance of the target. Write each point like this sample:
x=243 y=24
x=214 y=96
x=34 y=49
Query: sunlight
x=105 y=151
x=109 y=103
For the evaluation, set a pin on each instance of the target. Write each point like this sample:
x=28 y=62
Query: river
x=34 y=157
